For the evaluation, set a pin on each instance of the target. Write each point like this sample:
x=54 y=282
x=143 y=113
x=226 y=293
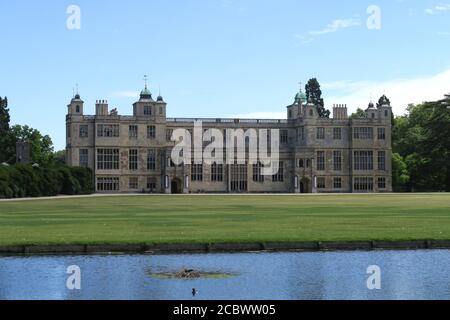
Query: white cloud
x=336 y=25
x=332 y=27
x=401 y=92
x=442 y=7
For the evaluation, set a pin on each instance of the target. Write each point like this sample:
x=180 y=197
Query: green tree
x=383 y=100
x=422 y=138
x=400 y=174
x=314 y=95
x=7 y=148
x=360 y=113
x=41 y=146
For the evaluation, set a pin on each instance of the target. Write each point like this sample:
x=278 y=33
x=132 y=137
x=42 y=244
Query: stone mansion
x=132 y=154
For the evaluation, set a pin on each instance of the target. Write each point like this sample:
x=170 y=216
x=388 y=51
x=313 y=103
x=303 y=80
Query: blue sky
x=218 y=58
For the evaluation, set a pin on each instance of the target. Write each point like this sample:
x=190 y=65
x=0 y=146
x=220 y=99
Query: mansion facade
x=132 y=154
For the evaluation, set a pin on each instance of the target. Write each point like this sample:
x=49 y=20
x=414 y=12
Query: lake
x=415 y=274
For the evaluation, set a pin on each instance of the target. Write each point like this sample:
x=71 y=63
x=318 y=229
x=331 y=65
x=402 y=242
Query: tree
x=383 y=101
x=4 y=116
x=7 y=148
x=400 y=175
x=360 y=113
x=41 y=146
x=314 y=95
x=421 y=138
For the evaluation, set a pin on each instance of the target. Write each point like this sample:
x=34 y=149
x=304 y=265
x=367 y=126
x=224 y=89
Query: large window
x=151 y=132
x=363 y=184
x=301 y=134
x=196 y=172
x=321 y=184
x=108 y=159
x=133 y=183
x=337 y=160
x=151 y=159
x=279 y=176
x=337 y=133
x=108 y=130
x=108 y=184
x=216 y=172
x=84 y=131
x=239 y=175
x=84 y=157
x=381 y=134
x=257 y=176
x=320 y=160
x=147 y=110
x=320 y=133
x=284 y=136
x=169 y=133
x=133 y=132
x=337 y=183
x=151 y=184
x=382 y=160
x=363 y=133
x=133 y=159
x=381 y=183
x=363 y=160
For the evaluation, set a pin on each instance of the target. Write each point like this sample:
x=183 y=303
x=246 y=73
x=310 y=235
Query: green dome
x=146 y=94
x=300 y=98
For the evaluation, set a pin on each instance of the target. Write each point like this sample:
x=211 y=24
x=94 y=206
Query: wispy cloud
x=444 y=33
x=333 y=27
x=442 y=7
x=401 y=92
x=337 y=25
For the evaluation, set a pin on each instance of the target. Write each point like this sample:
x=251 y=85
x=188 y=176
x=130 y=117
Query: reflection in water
x=321 y=275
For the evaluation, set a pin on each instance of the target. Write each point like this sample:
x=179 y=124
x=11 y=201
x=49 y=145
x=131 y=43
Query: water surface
x=418 y=274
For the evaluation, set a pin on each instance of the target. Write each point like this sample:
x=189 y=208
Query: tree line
x=46 y=174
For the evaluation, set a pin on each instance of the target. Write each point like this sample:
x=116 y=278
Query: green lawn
x=163 y=219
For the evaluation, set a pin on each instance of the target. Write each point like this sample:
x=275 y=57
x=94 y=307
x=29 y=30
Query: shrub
x=27 y=181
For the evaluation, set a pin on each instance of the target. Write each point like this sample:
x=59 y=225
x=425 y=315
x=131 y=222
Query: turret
x=296 y=109
x=76 y=106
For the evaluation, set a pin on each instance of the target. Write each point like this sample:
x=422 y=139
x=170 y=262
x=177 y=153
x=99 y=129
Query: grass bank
x=219 y=219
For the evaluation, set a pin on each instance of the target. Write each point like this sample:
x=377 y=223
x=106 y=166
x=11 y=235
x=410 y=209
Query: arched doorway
x=176 y=187
x=305 y=185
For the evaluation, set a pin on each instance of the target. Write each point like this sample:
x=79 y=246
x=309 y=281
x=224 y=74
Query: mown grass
x=208 y=219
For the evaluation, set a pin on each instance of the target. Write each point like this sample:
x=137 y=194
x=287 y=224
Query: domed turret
x=160 y=99
x=300 y=97
x=146 y=94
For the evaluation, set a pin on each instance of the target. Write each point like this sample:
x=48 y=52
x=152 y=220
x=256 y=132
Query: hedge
x=20 y=181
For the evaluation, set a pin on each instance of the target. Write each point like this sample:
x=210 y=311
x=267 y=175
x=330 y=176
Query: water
x=322 y=275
